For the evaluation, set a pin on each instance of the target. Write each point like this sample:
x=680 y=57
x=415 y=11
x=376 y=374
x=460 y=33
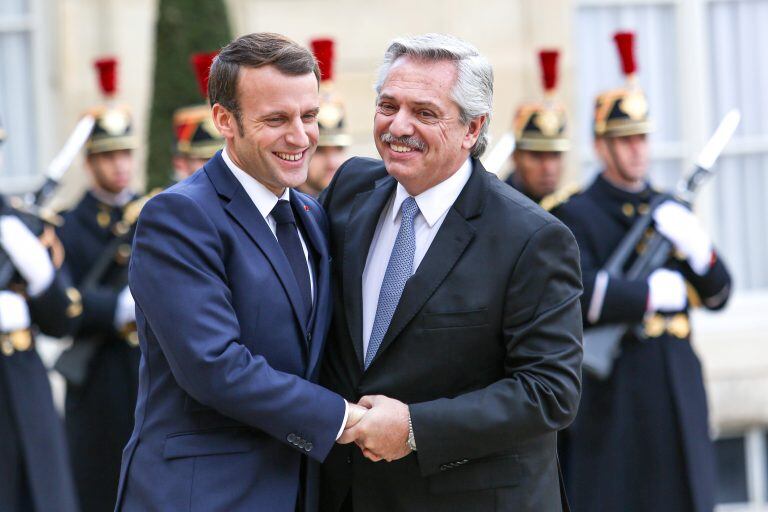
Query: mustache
x=411 y=141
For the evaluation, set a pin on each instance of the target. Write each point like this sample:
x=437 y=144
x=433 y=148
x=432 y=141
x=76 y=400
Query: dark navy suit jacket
x=227 y=406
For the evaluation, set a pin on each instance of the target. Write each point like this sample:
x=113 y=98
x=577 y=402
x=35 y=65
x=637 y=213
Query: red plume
x=323 y=50
x=202 y=64
x=625 y=43
x=107 y=69
x=548 y=60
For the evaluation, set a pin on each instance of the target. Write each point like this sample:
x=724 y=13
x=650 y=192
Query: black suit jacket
x=485 y=347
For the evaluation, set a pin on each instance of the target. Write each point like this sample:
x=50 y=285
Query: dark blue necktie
x=288 y=237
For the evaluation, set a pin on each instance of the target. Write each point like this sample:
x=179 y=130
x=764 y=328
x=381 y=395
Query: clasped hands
x=379 y=426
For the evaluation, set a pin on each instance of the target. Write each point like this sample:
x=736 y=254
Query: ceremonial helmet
x=624 y=111
x=195 y=133
x=112 y=129
x=540 y=126
x=331 y=118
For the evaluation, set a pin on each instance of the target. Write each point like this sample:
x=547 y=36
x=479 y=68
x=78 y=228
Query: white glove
x=14 y=313
x=27 y=254
x=125 y=312
x=666 y=291
x=683 y=229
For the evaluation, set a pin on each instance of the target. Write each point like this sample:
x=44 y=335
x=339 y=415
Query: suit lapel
x=361 y=226
x=449 y=244
x=241 y=208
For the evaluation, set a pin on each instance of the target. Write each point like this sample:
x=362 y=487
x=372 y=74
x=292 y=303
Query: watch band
x=411 y=439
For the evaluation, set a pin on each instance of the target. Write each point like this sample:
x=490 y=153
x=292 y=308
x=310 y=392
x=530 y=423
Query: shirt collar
x=261 y=196
x=434 y=202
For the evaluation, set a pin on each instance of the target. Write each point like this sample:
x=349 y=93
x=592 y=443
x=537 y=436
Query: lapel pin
x=306 y=207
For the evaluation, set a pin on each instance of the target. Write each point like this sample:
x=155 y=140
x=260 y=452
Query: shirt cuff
x=344 y=421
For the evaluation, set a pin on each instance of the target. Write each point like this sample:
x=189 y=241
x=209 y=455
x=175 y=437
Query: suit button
x=292 y=438
x=349 y=459
x=308 y=447
x=302 y=443
x=444 y=467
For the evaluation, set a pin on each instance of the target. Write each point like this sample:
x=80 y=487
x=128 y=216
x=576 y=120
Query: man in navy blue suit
x=230 y=273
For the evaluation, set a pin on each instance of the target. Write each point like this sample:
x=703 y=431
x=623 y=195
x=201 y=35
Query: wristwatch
x=411 y=440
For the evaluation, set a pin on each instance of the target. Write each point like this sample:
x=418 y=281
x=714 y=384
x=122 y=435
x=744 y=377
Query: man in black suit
x=457 y=314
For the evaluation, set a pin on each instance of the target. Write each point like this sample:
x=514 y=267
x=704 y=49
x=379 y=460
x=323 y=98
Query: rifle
x=33 y=205
x=602 y=344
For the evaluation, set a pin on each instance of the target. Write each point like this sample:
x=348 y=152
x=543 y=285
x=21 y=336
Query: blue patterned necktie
x=399 y=269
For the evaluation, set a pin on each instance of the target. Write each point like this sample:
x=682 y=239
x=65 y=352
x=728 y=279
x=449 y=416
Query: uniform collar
x=434 y=202
x=261 y=196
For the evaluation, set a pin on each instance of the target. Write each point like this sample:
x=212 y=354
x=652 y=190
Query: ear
x=225 y=121
x=473 y=131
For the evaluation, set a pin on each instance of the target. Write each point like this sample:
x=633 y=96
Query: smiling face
x=277 y=133
x=417 y=127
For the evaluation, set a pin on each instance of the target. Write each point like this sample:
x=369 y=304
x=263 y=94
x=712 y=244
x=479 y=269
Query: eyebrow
x=284 y=113
x=424 y=103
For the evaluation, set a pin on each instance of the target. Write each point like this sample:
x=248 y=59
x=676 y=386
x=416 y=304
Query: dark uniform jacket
x=99 y=411
x=484 y=346
x=35 y=474
x=640 y=441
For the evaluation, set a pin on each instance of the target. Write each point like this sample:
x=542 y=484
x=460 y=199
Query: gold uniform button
x=6 y=346
x=628 y=209
x=103 y=219
x=643 y=209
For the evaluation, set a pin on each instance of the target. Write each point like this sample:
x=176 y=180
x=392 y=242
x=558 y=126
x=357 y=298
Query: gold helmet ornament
x=113 y=129
x=331 y=118
x=195 y=133
x=624 y=111
x=540 y=126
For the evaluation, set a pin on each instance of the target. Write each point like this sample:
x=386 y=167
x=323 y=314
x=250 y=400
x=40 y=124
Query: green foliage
x=183 y=27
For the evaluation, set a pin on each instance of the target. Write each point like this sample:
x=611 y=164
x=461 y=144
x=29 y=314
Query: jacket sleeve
x=540 y=392
x=606 y=299
x=178 y=278
x=55 y=311
x=712 y=289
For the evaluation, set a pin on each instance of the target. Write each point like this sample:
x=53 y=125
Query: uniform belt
x=657 y=325
x=16 y=341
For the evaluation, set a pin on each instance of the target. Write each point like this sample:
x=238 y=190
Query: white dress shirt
x=433 y=207
x=265 y=201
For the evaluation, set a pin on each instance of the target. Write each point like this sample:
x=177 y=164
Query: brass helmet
x=195 y=133
x=624 y=111
x=540 y=126
x=331 y=118
x=113 y=128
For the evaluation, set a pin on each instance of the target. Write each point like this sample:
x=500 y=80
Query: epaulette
x=559 y=196
x=132 y=210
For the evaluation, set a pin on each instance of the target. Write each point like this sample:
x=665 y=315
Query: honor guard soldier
x=101 y=367
x=35 y=474
x=540 y=140
x=641 y=440
x=196 y=136
x=334 y=139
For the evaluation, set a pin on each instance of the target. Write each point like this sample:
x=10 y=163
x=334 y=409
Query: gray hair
x=473 y=90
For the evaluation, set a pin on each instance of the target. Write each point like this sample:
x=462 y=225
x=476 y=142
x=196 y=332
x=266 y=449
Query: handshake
x=379 y=426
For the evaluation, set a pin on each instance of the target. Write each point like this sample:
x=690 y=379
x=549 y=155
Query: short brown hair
x=253 y=51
